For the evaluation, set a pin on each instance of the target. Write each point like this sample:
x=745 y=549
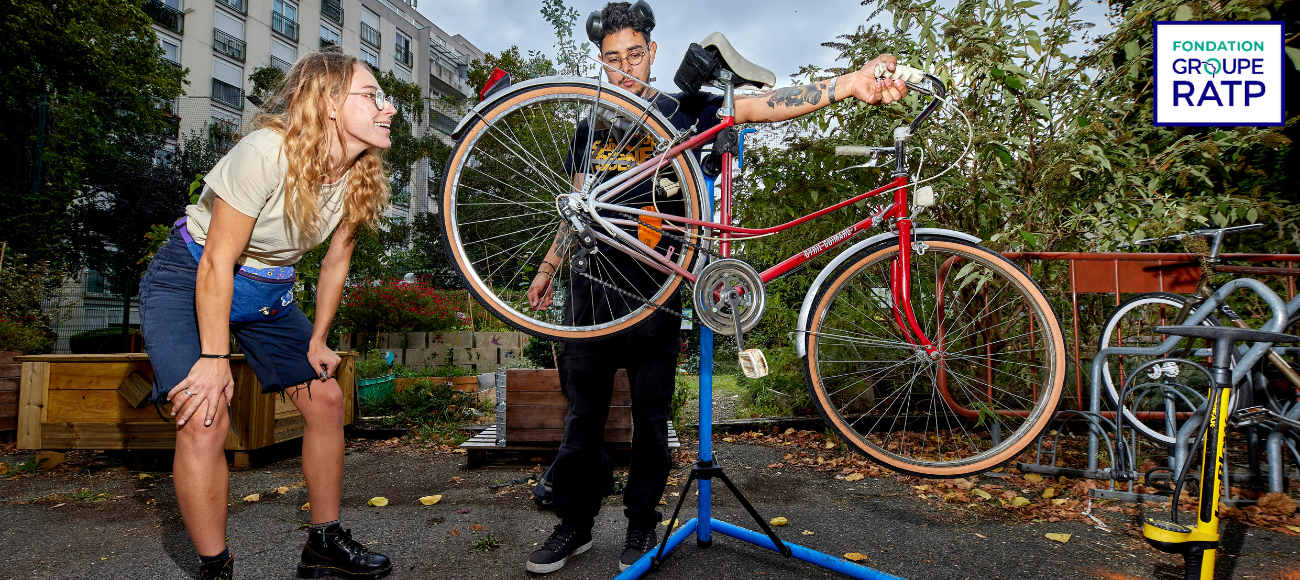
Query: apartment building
x=222 y=42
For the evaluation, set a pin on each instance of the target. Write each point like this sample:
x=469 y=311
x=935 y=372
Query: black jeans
x=649 y=353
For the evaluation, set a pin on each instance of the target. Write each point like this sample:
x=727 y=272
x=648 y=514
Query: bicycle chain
x=633 y=296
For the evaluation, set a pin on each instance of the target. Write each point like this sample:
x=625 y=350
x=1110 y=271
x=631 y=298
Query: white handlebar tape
x=901 y=72
x=842 y=150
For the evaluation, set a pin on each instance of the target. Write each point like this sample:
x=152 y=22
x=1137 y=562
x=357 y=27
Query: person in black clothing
x=648 y=351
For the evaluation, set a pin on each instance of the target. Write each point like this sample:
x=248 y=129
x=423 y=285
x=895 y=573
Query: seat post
x=728 y=94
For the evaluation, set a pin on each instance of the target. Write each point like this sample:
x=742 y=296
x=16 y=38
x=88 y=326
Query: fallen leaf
x=476 y=527
x=59 y=505
x=306 y=507
x=729 y=439
x=1049 y=492
x=253 y=497
x=779 y=521
x=1294 y=528
x=981 y=536
x=674 y=523
x=150 y=501
x=854 y=477
x=1019 y=501
x=1034 y=477
x=921 y=487
x=102 y=559
x=454 y=532
x=1062 y=538
x=830 y=444
x=282 y=490
x=856 y=557
x=455 y=480
x=982 y=493
x=5 y=469
x=142 y=475
x=807 y=532
x=462 y=511
x=962 y=483
x=1059 y=501
x=378 y=501
x=1277 y=503
x=430 y=499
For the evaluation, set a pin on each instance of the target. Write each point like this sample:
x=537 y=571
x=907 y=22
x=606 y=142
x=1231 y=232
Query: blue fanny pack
x=260 y=294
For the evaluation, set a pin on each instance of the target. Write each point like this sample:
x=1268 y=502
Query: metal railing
x=240 y=6
x=280 y=63
x=165 y=16
x=332 y=10
x=326 y=43
x=370 y=36
x=228 y=45
x=228 y=94
x=285 y=26
x=402 y=54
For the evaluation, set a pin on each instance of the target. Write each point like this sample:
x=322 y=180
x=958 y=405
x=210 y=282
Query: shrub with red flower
x=396 y=306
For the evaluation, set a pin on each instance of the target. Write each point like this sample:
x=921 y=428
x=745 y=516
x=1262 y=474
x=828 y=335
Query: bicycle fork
x=900 y=281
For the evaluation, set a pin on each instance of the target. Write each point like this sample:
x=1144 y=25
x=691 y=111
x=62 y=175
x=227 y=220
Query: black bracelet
x=214 y=356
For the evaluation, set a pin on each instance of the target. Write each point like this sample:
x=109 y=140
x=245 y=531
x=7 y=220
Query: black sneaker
x=333 y=552
x=564 y=542
x=638 y=542
x=218 y=570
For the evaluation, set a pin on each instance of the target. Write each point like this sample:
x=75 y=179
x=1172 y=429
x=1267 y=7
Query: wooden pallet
x=81 y=402
x=530 y=412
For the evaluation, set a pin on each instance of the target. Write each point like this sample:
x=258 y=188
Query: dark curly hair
x=619 y=15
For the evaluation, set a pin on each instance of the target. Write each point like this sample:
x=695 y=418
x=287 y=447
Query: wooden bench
x=530 y=412
x=92 y=401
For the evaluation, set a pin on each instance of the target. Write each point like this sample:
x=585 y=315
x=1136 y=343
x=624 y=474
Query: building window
x=332 y=10
x=370 y=57
x=402 y=50
x=171 y=52
x=282 y=55
x=370 y=28
x=328 y=36
x=284 y=19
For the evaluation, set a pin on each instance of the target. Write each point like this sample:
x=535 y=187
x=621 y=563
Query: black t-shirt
x=593 y=303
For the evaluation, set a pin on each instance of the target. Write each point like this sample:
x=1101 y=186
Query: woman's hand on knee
x=207 y=387
x=323 y=359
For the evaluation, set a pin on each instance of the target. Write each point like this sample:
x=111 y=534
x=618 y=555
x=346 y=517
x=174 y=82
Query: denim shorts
x=276 y=350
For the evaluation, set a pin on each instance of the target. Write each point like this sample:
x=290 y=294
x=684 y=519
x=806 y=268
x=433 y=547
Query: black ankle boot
x=219 y=570
x=333 y=552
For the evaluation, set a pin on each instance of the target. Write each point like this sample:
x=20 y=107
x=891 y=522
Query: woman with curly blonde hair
x=314 y=167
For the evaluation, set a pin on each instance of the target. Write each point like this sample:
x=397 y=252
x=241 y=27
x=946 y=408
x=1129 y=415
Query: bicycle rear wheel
x=499 y=201
x=990 y=393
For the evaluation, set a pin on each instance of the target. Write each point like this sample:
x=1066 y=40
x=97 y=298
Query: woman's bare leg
x=322 y=447
x=202 y=482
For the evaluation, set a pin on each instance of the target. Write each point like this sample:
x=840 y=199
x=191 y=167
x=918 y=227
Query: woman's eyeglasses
x=379 y=97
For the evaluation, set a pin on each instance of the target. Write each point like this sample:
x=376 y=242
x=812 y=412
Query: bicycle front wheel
x=992 y=389
x=513 y=166
x=1157 y=403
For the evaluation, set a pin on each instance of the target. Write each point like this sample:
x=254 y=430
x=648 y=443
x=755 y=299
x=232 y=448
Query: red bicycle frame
x=900 y=269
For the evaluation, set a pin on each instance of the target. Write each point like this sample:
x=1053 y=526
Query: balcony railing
x=240 y=6
x=285 y=26
x=326 y=43
x=165 y=16
x=403 y=55
x=280 y=63
x=169 y=61
x=228 y=45
x=370 y=35
x=332 y=10
x=228 y=94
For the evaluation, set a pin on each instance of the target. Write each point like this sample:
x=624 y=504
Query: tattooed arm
x=790 y=102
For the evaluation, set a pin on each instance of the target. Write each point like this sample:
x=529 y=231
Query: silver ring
x=189 y=394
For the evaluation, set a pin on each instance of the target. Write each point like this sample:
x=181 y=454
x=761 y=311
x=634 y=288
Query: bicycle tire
x=1129 y=324
x=506 y=170
x=850 y=333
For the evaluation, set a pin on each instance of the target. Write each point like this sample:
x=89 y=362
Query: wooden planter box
x=10 y=375
x=73 y=402
x=530 y=410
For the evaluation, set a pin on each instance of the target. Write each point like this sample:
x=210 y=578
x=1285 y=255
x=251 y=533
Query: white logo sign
x=1221 y=74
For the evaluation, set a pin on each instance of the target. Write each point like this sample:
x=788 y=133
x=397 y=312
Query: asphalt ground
x=97 y=517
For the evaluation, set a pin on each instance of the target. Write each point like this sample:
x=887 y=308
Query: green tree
x=512 y=61
x=81 y=77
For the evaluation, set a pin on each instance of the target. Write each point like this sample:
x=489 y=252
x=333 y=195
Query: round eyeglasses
x=634 y=58
x=379 y=97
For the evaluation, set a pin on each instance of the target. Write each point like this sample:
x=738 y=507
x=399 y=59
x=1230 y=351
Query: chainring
x=716 y=281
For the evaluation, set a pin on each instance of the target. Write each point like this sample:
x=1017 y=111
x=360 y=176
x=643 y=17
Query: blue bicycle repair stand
x=704 y=524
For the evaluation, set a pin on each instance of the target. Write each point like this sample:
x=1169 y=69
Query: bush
x=103 y=341
x=396 y=306
x=14 y=336
x=425 y=402
x=373 y=365
x=30 y=292
x=783 y=392
x=540 y=354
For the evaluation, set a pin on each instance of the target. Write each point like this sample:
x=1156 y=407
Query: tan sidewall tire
x=824 y=405
x=691 y=188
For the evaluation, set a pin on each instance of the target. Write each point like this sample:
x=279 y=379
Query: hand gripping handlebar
x=919 y=81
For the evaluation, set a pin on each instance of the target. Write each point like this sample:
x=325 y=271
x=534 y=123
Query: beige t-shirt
x=251 y=179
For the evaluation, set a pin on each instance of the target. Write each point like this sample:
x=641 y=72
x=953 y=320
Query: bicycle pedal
x=753 y=363
x=1250 y=416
